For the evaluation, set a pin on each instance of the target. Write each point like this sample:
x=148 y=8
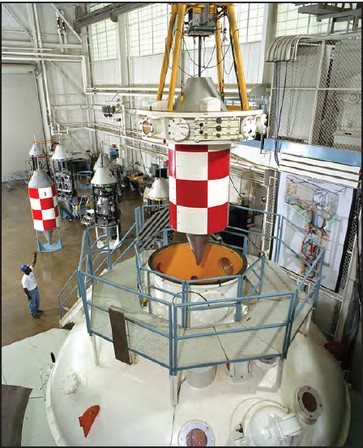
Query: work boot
x=36 y=315
x=40 y=311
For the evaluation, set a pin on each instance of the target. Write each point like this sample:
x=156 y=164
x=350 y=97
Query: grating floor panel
x=212 y=348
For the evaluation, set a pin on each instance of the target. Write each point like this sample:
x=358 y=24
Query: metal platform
x=221 y=343
x=261 y=315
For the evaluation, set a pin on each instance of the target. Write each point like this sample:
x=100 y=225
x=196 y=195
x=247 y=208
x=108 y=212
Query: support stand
x=49 y=247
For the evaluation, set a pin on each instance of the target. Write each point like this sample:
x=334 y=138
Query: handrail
x=85 y=253
x=144 y=289
x=174 y=327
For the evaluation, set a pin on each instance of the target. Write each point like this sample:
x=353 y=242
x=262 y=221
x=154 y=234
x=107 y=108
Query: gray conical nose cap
x=159 y=189
x=197 y=243
x=61 y=153
x=103 y=176
x=40 y=179
x=194 y=91
x=102 y=159
x=35 y=150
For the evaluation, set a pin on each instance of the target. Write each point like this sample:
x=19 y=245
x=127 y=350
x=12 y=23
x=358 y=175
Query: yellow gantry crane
x=209 y=22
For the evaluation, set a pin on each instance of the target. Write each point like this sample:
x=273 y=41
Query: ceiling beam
x=326 y=10
x=109 y=11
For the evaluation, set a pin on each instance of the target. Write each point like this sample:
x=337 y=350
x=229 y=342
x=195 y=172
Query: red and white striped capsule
x=199 y=187
x=43 y=202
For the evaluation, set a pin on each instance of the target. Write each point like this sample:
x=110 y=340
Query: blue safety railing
x=162 y=317
x=96 y=258
x=84 y=180
x=96 y=255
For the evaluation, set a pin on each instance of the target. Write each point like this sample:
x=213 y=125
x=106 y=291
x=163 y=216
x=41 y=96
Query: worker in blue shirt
x=30 y=287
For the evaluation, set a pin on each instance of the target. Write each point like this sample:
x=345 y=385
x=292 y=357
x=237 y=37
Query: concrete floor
x=52 y=269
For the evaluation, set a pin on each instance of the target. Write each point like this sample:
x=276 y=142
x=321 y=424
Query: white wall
x=107 y=72
x=21 y=118
x=67 y=100
x=146 y=69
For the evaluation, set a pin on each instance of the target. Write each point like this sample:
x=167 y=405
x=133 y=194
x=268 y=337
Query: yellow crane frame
x=178 y=11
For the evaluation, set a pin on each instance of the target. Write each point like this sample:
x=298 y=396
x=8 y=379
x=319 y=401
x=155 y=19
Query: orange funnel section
x=178 y=260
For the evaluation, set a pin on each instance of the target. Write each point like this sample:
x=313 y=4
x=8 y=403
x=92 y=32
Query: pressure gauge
x=248 y=128
x=178 y=129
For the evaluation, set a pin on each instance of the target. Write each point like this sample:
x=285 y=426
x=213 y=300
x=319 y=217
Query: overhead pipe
x=115 y=131
x=30 y=44
x=71 y=106
x=32 y=53
x=84 y=74
x=151 y=89
x=24 y=48
x=124 y=93
x=140 y=89
x=39 y=43
x=37 y=58
x=65 y=35
x=59 y=31
x=60 y=57
x=236 y=167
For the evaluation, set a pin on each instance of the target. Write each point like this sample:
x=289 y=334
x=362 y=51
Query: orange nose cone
x=178 y=260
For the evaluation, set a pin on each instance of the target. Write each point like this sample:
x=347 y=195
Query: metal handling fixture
x=198 y=127
x=102 y=161
x=157 y=194
x=64 y=180
x=35 y=154
x=63 y=172
x=72 y=204
x=112 y=165
x=38 y=158
x=106 y=212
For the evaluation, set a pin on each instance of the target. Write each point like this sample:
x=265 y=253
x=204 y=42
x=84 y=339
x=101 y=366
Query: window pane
x=248 y=17
x=147 y=29
x=289 y=21
x=104 y=39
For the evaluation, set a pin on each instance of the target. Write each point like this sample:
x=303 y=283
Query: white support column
x=39 y=77
x=124 y=60
x=94 y=348
x=175 y=383
x=87 y=82
x=268 y=34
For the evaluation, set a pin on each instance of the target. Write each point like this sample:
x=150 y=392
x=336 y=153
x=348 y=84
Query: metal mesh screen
x=349 y=250
x=326 y=314
x=316 y=99
x=269 y=219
